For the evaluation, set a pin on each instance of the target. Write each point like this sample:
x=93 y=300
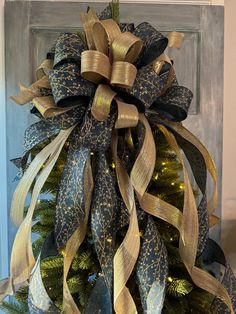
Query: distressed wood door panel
x=32 y=26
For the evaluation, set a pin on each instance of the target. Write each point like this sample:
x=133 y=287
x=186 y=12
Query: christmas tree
x=182 y=295
x=121 y=228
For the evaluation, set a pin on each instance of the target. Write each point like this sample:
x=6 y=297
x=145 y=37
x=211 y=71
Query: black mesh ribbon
x=158 y=95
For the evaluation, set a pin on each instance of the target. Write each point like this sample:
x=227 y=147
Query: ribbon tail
x=70 y=208
x=72 y=246
x=229 y=281
x=103 y=217
x=127 y=254
x=38 y=299
x=100 y=299
x=22 y=264
x=152 y=270
x=198 y=166
x=19 y=197
x=182 y=131
x=189 y=235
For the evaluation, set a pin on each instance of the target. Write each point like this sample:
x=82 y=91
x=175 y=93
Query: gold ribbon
x=127 y=253
x=175 y=39
x=181 y=130
x=111 y=62
x=73 y=244
x=88 y=20
x=189 y=239
x=186 y=222
x=45 y=104
x=22 y=258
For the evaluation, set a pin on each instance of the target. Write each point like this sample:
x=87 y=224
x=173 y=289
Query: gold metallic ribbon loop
x=95 y=66
x=102 y=102
x=175 y=39
x=44 y=68
x=128 y=115
x=104 y=33
x=123 y=74
x=159 y=63
x=47 y=107
x=88 y=20
x=126 y=47
x=26 y=94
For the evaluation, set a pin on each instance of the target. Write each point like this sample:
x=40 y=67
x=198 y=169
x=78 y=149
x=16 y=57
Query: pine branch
x=179 y=287
x=84 y=260
x=115 y=8
x=22 y=294
x=75 y=284
x=42 y=229
x=14 y=307
x=52 y=263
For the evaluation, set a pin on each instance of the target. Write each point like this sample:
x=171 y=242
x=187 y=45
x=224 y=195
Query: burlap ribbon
x=96 y=96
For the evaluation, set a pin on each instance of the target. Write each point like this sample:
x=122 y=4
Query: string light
x=181 y=186
x=156 y=177
x=163 y=163
x=171 y=239
x=141 y=233
x=109 y=240
x=62 y=252
x=170 y=279
x=92 y=153
x=113 y=165
x=172 y=183
x=107 y=171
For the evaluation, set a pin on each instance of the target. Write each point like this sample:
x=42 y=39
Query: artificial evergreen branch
x=14 y=307
x=115 y=8
x=179 y=287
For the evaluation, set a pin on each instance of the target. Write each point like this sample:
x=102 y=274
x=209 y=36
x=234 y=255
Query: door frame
x=3 y=156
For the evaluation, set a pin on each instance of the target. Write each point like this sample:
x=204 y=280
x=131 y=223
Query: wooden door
x=32 y=26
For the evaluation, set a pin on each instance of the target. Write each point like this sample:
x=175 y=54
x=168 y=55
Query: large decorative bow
x=123 y=81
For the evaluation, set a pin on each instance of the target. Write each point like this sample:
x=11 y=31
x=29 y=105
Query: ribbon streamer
x=152 y=269
x=103 y=218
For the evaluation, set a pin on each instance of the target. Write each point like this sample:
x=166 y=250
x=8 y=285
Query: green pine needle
x=75 y=284
x=52 y=263
x=84 y=260
x=115 y=8
x=14 y=307
x=179 y=287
